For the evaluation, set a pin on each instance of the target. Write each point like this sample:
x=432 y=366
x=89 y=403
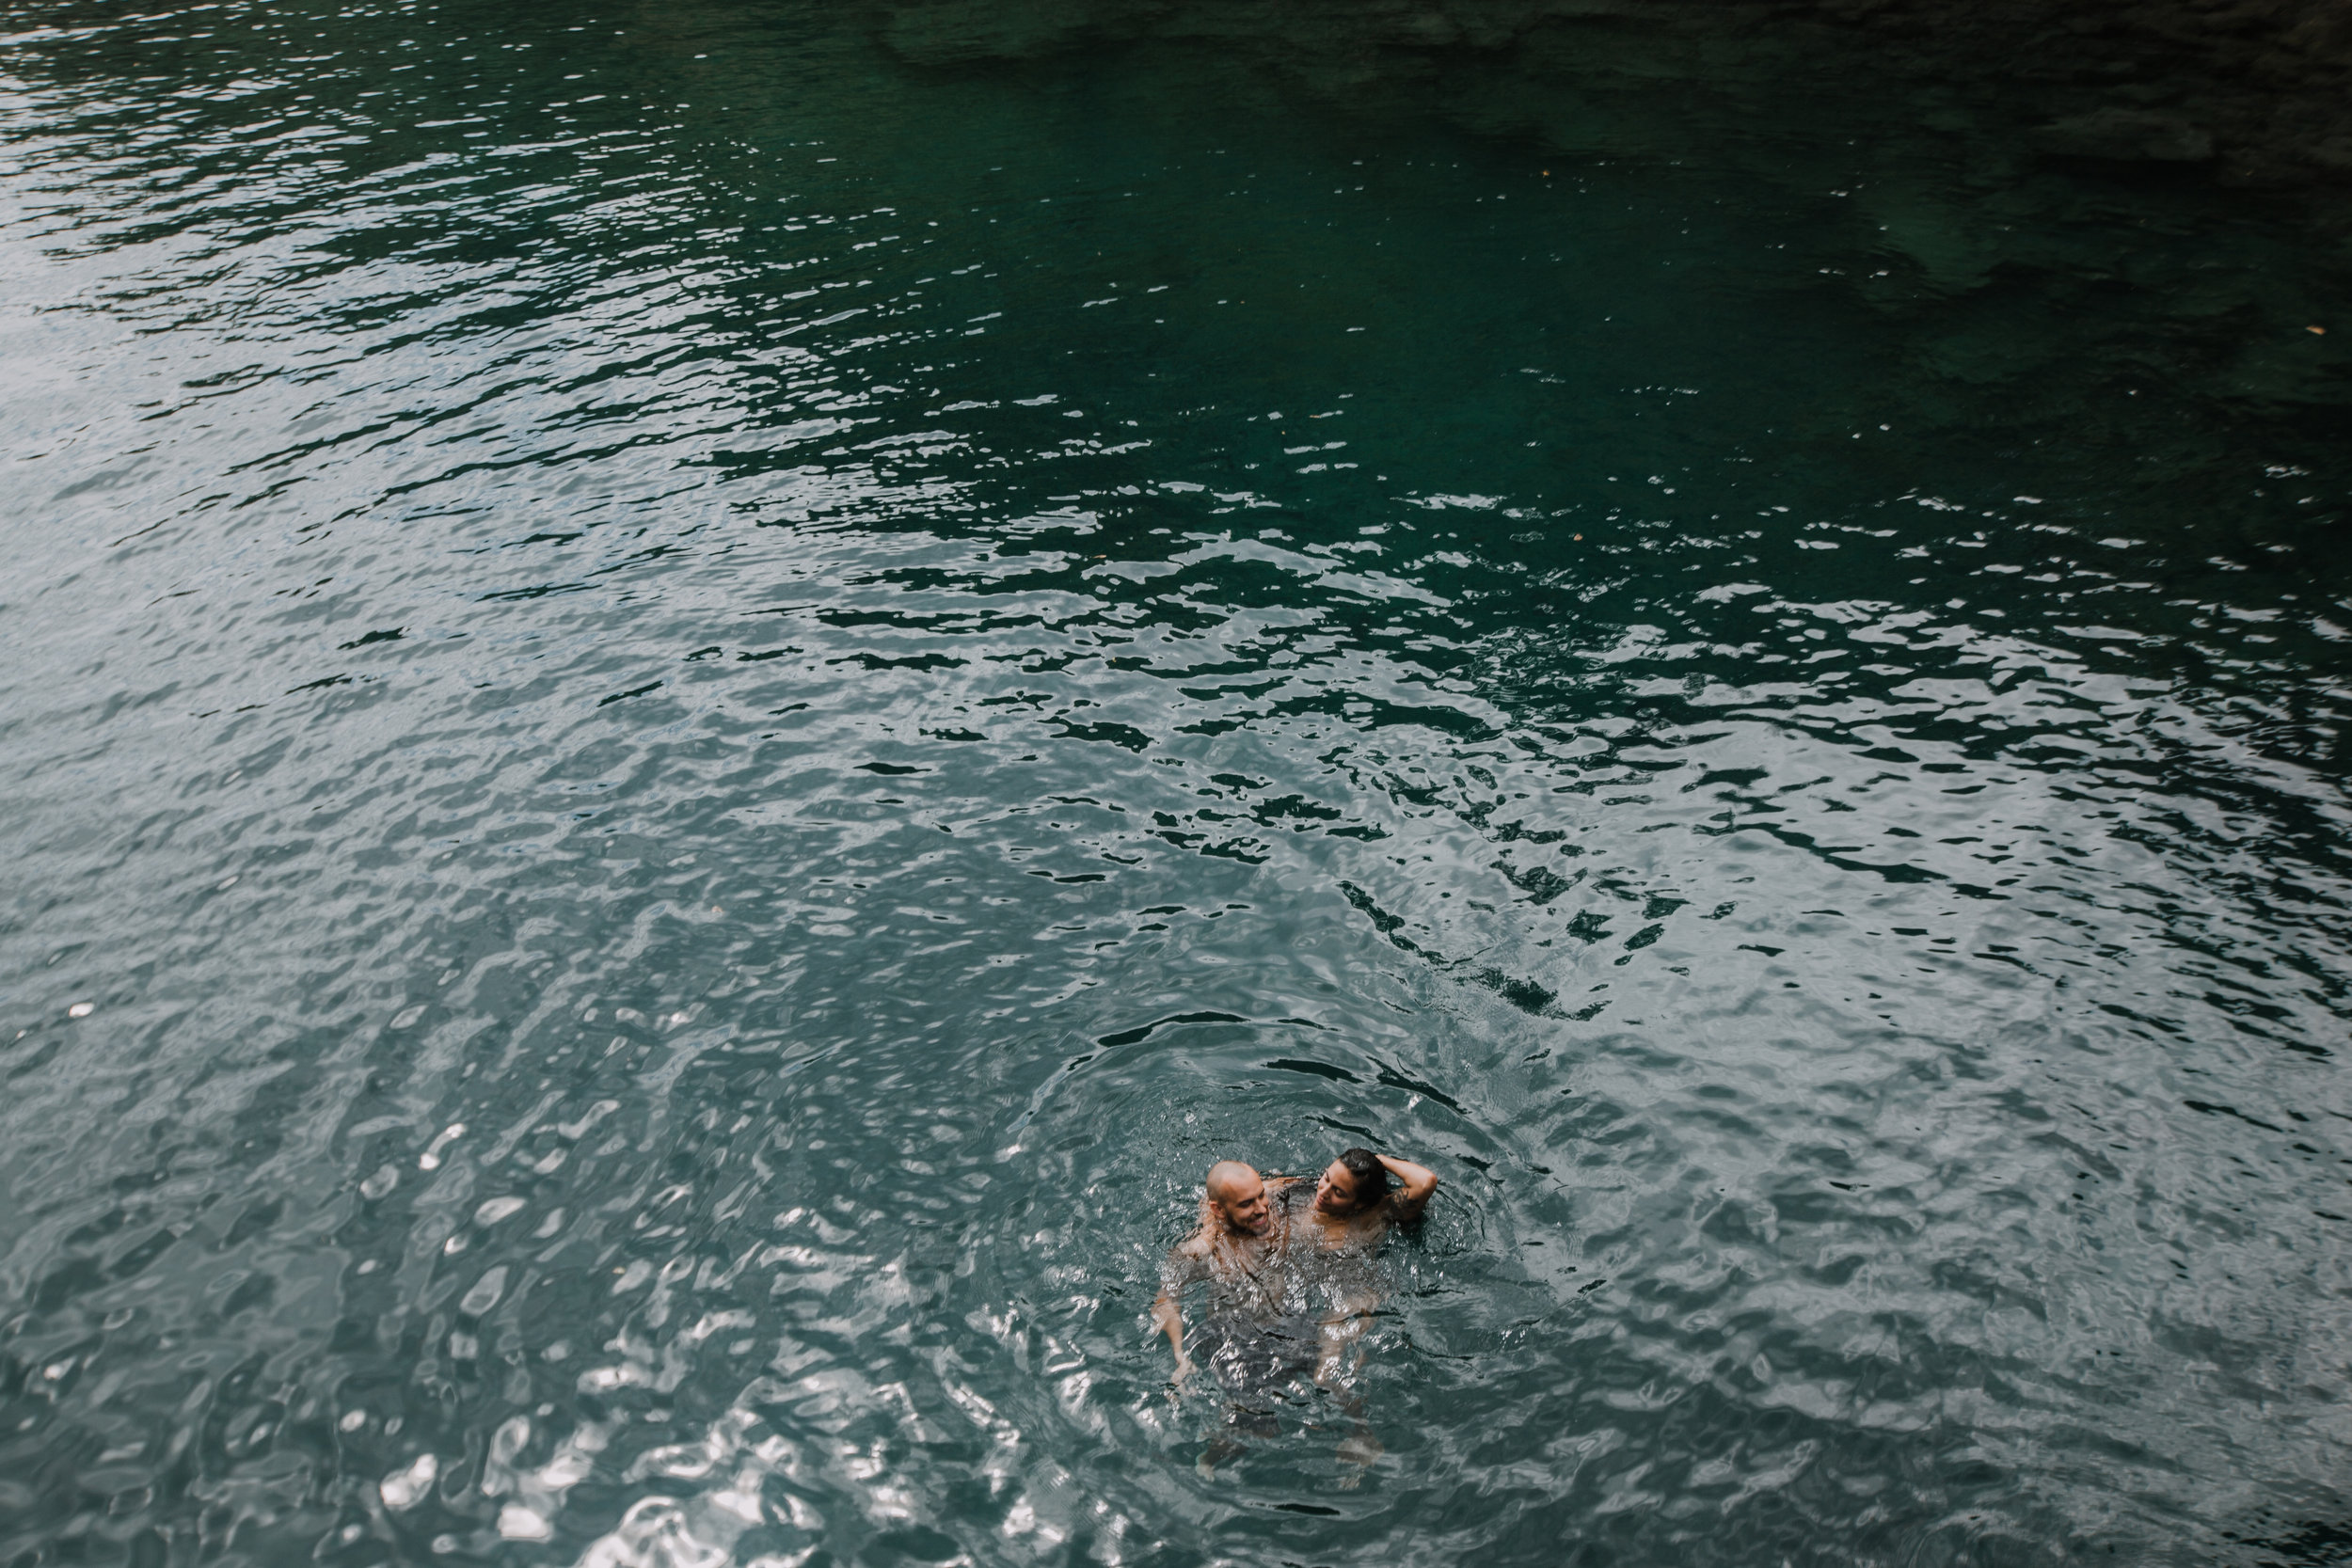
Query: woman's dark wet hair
x=1371 y=1177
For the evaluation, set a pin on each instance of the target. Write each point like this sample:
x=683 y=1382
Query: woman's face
x=1335 y=1189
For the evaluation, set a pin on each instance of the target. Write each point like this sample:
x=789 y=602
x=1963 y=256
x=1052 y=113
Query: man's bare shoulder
x=1195 y=1246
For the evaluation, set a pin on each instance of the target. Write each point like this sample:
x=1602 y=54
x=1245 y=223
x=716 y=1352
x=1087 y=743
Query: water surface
x=695 y=700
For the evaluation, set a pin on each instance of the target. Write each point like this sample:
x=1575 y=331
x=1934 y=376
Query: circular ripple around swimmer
x=1064 y=1285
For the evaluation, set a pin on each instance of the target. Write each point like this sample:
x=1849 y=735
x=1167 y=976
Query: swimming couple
x=1292 y=1283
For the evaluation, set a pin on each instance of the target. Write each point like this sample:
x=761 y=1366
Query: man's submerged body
x=1267 y=1251
x=1234 y=1250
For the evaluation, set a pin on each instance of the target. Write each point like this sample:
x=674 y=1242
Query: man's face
x=1335 y=1189
x=1243 y=1202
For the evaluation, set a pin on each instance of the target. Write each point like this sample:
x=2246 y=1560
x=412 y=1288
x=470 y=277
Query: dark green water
x=694 y=701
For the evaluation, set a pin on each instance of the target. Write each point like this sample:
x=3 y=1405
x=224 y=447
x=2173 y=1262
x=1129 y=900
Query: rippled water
x=695 y=700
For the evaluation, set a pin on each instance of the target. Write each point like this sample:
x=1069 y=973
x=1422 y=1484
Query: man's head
x=1239 y=1197
x=1354 y=1182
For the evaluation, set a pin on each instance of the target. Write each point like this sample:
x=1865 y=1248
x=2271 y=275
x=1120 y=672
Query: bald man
x=1238 y=1235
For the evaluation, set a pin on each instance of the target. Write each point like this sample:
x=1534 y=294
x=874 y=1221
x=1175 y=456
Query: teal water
x=694 y=701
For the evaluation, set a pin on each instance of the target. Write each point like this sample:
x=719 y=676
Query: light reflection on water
x=684 y=737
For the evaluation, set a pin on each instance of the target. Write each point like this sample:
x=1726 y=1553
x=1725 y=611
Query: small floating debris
x=2318 y=331
x=81 y=1009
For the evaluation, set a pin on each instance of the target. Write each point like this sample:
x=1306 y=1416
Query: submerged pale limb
x=1340 y=1332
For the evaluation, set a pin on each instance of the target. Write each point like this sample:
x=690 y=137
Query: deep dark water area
x=2025 y=167
x=2260 y=90
x=692 y=699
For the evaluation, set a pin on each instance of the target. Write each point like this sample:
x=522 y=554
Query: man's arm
x=1414 y=1185
x=1186 y=1264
